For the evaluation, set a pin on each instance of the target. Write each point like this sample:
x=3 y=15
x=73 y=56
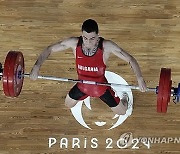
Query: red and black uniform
x=92 y=68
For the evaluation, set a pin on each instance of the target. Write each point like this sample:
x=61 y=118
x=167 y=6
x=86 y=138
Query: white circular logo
x=111 y=78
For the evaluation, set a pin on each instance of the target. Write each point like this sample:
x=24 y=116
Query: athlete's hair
x=89 y=26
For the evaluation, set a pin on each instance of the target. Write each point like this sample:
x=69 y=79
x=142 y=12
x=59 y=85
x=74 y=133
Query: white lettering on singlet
x=88 y=68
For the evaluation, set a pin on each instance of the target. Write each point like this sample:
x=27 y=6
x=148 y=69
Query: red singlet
x=91 y=68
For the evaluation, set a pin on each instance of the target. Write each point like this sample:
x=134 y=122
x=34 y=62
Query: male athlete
x=92 y=53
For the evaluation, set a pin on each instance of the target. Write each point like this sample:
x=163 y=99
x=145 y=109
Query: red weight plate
x=15 y=79
x=164 y=90
x=170 y=85
x=19 y=74
x=160 y=90
x=15 y=71
x=5 y=74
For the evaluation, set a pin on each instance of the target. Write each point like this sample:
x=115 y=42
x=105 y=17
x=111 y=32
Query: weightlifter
x=92 y=53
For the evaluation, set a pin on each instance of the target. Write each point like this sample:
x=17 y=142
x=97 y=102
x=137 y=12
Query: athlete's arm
x=59 y=46
x=115 y=49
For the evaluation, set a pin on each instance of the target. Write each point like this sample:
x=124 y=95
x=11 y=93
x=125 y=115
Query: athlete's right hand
x=34 y=72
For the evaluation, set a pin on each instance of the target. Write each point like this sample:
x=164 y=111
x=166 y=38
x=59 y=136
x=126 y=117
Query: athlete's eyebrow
x=89 y=38
x=92 y=37
x=84 y=37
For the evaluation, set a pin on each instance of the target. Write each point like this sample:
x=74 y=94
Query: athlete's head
x=90 y=33
x=89 y=26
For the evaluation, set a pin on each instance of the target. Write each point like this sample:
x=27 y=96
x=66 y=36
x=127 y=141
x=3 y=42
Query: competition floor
x=148 y=30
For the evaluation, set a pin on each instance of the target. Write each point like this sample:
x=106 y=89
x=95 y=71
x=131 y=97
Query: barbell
x=13 y=76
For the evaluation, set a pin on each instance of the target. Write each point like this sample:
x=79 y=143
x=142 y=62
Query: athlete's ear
x=98 y=35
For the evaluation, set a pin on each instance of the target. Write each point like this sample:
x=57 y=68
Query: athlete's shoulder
x=108 y=42
x=71 y=41
x=108 y=45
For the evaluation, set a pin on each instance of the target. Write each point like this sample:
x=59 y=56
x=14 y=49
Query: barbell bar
x=85 y=82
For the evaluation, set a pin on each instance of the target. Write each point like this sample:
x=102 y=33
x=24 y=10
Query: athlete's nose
x=88 y=43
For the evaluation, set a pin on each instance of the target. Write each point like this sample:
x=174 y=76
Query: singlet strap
x=100 y=45
x=80 y=41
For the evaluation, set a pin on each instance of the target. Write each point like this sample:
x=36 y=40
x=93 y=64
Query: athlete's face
x=90 y=39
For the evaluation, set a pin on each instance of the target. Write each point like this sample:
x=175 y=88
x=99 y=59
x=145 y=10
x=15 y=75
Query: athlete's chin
x=90 y=46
